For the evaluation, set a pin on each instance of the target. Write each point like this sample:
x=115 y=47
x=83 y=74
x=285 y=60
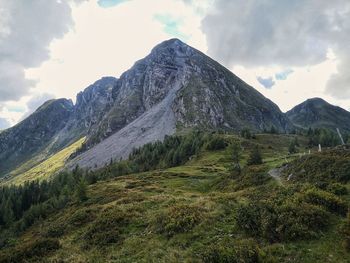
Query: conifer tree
x=236 y=156
x=80 y=192
x=255 y=157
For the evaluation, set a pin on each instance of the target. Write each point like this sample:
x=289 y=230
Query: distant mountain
x=34 y=135
x=175 y=87
x=317 y=113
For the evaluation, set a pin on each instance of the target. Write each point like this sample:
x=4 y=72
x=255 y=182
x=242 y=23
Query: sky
x=288 y=50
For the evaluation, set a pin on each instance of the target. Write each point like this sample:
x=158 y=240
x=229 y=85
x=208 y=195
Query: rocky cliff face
x=34 y=134
x=174 y=87
x=91 y=106
x=317 y=113
x=210 y=95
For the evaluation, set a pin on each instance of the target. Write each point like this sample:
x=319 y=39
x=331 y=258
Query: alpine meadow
x=174 y=157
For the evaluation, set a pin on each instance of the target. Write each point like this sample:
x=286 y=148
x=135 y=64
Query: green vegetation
x=255 y=157
x=185 y=200
x=325 y=137
x=46 y=168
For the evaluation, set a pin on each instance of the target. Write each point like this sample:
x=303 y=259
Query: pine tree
x=80 y=191
x=255 y=157
x=292 y=147
x=8 y=216
x=236 y=156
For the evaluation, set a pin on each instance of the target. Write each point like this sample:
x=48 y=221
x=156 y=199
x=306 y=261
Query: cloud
x=108 y=41
x=4 y=124
x=26 y=30
x=339 y=84
x=266 y=82
x=281 y=33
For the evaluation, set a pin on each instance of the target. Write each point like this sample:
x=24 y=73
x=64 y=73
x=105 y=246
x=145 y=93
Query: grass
x=46 y=168
x=181 y=214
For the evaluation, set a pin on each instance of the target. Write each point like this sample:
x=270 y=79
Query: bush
x=216 y=143
x=255 y=157
x=327 y=200
x=178 y=219
x=106 y=229
x=337 y=189
x=345 y=230
x=251 y=176
x=287 y=222
x=36 y=249
x=330 y=167
x=300 y=221
x=55 y=231
x=81 y=217
x=246 y=134
x=245 y=250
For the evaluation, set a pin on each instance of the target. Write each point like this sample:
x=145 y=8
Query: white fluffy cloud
x=108 y=41
x=283 y=34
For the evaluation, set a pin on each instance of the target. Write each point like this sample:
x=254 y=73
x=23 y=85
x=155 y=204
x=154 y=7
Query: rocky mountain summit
x=317 y=113
x=175 y=87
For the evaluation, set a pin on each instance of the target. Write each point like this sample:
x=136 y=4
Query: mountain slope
x=199 y=91
x=200 y=211
x=33 y=135
x=317 y=113
x=175 y=87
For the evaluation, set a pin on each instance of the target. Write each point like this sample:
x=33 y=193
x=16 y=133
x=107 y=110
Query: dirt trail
x=276 y=174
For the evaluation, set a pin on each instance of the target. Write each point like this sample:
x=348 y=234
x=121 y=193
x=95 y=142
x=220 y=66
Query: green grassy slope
x=183 y=214
x=44 y=169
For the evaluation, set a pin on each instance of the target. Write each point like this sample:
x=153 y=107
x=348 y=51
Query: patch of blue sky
x=110 y=3
x=284 y=74
x=268 y=83
x=171 y=25
x=16 y=109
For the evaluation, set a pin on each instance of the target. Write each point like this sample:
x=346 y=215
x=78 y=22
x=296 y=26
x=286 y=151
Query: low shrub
x=36 y=249
x=106 y=229
x=227 y=250
x=345 y=231
x=251 y=176
x=81 y=217
x=216 y=143
x=55 y=230
x=337 y=189
x=287 y=222
x=327 y=200
x=178 y=219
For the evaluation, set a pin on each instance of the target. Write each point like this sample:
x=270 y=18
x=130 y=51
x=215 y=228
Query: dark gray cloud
x=4 y=124
x=283 y=33
x=266 y=82
x=26 y=31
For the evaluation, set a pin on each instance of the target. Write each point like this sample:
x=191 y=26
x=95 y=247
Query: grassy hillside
x=201 y=211
x=46 y=168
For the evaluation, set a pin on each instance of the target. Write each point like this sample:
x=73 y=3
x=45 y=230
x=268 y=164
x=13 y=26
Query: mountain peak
x=316 y=101
x=318 y=113
x=173 y=44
